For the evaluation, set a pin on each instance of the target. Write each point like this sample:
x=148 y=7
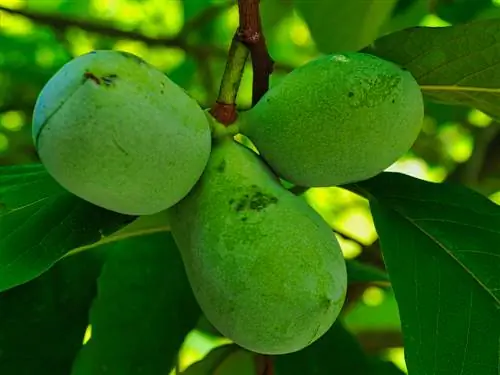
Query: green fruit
x=266 y=269
x=336 y=120
x=117 y=132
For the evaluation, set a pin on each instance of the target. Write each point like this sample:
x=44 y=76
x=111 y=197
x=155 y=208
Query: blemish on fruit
x=92 y=77
x=222 y=166
x=109 y=79
x=350 y=94
x=256 y=201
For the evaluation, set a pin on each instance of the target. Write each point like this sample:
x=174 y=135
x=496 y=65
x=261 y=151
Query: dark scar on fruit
x=254 y=200
x=107 y=79
x=221 y=167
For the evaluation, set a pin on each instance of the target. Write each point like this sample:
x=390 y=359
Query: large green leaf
x=143 y=310
x=40 y=222
x=441 y=245
x=341 y=26
x=337 y=352
x=42 y=323
x=454 y=65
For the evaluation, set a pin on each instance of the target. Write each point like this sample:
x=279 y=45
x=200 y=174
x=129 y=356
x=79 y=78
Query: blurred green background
x=188 y=40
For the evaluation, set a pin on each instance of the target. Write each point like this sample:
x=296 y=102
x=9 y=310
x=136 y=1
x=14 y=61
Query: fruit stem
x=224 y=110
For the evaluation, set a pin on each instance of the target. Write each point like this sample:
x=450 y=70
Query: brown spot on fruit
x=92 y=77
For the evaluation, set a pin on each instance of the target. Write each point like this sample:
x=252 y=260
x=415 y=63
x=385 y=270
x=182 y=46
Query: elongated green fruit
x=117 y=132
x=265 y=268
x=338 y=119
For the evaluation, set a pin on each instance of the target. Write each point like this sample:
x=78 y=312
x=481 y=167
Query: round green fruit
x=117 y=132
x=265 y=268
x=337 y=119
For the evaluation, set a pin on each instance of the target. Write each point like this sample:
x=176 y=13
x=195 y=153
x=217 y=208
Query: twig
x=251 y=35
x=62 y=23
x=224 y=109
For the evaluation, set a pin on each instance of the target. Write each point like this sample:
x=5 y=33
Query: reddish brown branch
x=251 y=35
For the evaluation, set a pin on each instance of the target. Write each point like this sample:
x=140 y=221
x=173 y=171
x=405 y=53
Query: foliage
x=426 y=230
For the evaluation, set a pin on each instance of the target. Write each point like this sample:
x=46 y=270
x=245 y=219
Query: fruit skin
x=117 y=132
x=338 y=119
x=267 y=271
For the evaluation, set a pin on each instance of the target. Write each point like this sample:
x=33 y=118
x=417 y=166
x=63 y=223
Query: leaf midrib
x=450 y=254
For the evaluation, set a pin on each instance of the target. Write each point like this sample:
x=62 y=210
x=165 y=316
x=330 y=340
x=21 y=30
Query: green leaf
x=42 y=323
x=336 y=352
x=441 y=246
x=454 y=65
x=358 y=272
x=341 y=26
x=143 y=310
x=40 y=222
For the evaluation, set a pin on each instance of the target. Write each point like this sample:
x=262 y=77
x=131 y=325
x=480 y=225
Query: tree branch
x=180 y=41
x=251 y=35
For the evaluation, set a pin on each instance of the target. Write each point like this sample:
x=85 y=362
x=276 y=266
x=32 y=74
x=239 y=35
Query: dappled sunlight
x=80 y=42
x=418 y=168
x=357 y=223
x=350 y=249
x=299 y=32
x=166 y=59
x=230 y=19
x=137 y=48
x=373 y=296
x=457 y=141
x=478 y=118
x=88 y=334
x=495 y=197
x=244 y=98
x=196 y=346
x=15 y=25
x=14 y=4
x=345 y=211
x=13 y=120
x=152 y=17
x=432 y=20
x=397 y=356
x=293 y=41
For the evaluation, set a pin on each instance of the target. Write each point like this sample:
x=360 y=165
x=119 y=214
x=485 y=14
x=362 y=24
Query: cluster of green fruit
x=266 y=269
